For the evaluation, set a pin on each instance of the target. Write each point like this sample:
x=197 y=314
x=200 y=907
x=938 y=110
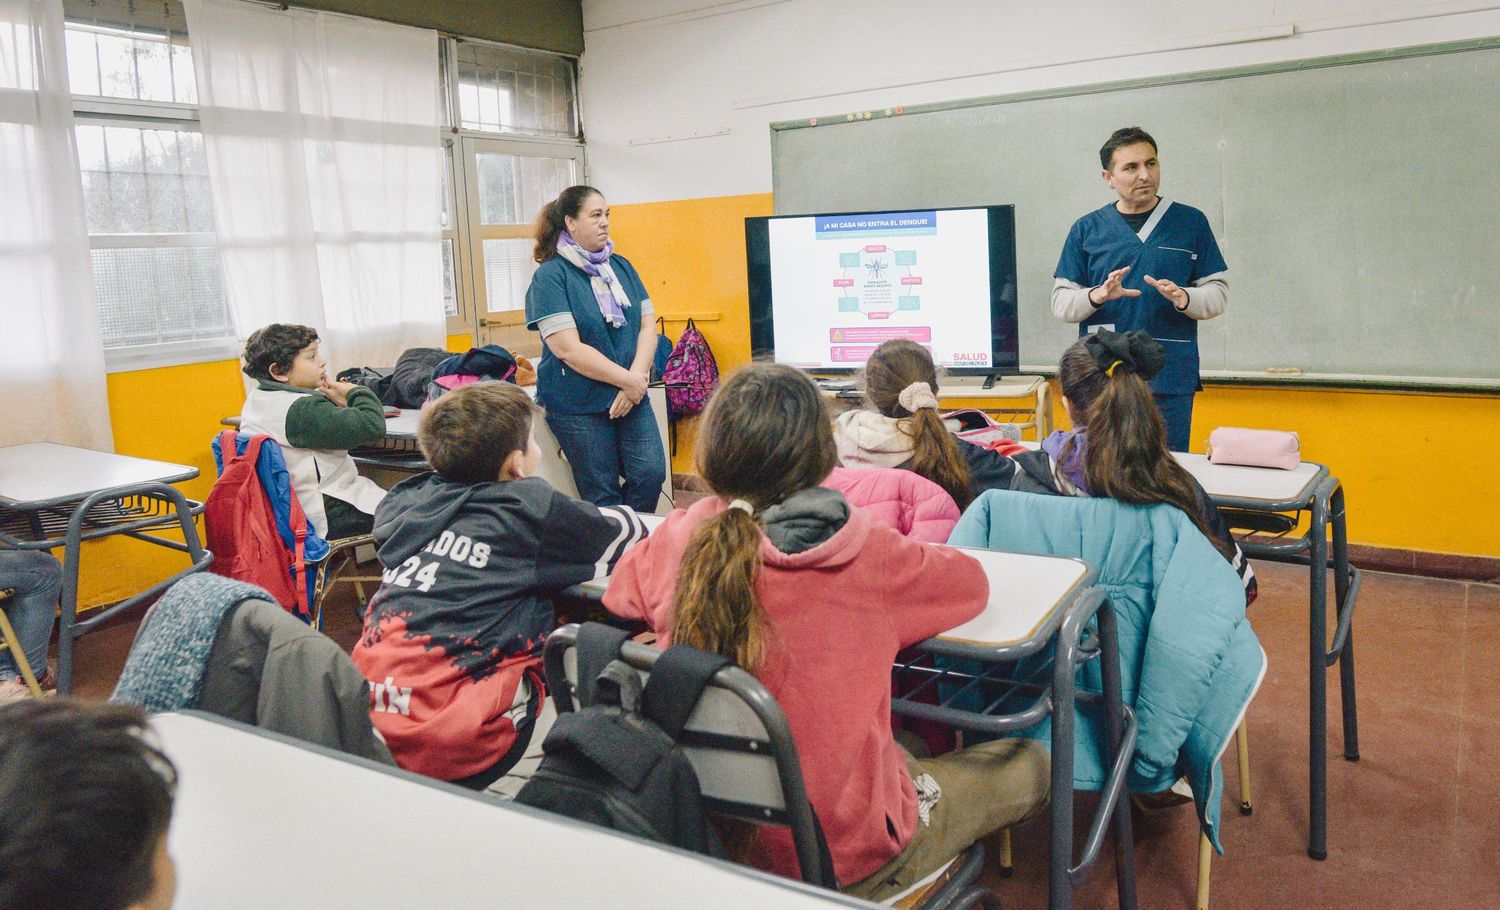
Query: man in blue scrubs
x=1144 y=262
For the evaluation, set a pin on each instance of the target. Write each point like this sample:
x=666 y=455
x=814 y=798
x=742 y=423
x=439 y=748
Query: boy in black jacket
x=473 y=551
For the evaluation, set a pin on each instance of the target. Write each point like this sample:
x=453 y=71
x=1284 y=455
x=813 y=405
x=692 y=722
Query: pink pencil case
x=1257 y=448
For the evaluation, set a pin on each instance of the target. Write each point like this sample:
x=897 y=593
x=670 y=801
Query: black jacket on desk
x=452 y=640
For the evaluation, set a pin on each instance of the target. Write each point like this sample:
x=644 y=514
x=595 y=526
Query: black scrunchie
x=1136 y=352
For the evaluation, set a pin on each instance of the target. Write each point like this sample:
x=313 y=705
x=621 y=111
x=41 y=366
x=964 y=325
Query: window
x=156 y=273
x=512 y=140
x=157 y=282
x=509 y=90
x=516 y=147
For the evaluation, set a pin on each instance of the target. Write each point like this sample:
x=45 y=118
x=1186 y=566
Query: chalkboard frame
x=1421 y=384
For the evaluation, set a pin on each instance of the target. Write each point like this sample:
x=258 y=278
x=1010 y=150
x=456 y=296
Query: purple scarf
x=1072 y=469
x=609 y=307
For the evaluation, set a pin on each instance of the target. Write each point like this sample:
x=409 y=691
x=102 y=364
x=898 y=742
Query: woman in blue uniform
x=1146 y=263
x=595 y=320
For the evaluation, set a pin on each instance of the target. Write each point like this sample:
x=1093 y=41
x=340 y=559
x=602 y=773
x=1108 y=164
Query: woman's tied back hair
x=765 y=436
x=551 y=220
x=1104 y=377
x=889 y=374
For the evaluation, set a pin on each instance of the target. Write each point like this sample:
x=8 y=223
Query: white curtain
x=52 y=363
x=321 y=134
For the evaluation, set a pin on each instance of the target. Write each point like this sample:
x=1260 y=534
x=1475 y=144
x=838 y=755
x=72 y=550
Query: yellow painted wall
x=1412 y=464
x=691 y=256
x=169 y=414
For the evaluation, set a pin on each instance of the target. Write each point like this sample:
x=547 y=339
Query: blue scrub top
x=1181 y=248
x=561 y=287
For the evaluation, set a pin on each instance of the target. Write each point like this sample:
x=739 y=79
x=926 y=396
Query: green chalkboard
x=1356 y=200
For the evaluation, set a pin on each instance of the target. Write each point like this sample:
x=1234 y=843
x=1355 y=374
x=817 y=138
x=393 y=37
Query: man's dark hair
x=468 y=433
x=1120 y=138
x=84 y=801
x=276 y=346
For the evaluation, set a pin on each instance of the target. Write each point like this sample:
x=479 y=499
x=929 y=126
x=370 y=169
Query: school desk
x=1038 y=618
x=1268 y=493
x=1035 y=602
x=54 y=495
x=265 y=821
x=1023 y=401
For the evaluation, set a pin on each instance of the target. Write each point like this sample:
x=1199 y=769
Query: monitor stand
x=990 y=380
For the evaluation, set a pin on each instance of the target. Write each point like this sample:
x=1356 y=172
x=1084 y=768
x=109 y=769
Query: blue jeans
x=37 y=580
x=614 y=461
x=1177 y=411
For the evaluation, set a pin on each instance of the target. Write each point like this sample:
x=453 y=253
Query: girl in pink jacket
x=815 y=599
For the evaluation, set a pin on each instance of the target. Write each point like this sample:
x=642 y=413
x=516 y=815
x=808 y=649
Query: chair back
x=739 y=743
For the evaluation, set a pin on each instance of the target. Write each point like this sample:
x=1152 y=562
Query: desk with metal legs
x=54 y=495
x=1034 y=602
x=1310 y=488
x=1039 y=614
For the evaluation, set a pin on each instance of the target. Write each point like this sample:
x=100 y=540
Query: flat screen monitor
x=827 y=289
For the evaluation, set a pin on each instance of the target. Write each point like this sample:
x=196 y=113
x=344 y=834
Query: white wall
x=709 y=76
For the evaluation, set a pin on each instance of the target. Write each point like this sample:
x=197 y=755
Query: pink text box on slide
x=851 y=353
x=860 y=335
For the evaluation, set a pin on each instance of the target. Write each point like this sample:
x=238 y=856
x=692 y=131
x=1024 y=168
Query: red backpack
x=241 y=530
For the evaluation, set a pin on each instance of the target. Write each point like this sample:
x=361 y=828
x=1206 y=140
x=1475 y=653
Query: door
x=507 y=182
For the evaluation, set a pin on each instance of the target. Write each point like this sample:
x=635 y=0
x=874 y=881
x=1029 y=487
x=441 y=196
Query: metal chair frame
x=741 y=746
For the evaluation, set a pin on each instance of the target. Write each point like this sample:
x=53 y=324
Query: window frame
x=466 y=228
x=132 y=113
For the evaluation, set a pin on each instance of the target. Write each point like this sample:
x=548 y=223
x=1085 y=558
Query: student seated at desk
x=85 y=803
x=37 y=580
x=904 y=430
x=1118 y=445
x=316 y=421
x=473 y=551
x=815 y=599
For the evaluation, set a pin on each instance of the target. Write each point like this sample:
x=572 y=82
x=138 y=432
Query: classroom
x=215 y=209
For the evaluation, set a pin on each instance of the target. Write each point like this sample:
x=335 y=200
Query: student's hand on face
x=1175 y=293
x=1111 y=289
x=337 y=392
x=621 y=406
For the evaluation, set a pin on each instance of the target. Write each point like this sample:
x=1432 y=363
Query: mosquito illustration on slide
x=876 y=267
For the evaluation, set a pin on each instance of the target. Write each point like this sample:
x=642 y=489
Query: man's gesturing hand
x=1111 y=290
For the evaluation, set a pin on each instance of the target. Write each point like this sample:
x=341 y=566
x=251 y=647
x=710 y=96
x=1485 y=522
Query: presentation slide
x=842 y=284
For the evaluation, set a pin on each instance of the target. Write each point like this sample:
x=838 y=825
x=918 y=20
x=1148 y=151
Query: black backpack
x=614 y=761
x=376 y=379
x=409 y=377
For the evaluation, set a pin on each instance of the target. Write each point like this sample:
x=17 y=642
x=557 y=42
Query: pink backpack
x=691 y=374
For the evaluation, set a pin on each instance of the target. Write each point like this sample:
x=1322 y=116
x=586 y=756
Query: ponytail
x=935 y=456
x=1127 y=457
x=551 y=221
x=715 y=604
x=890 y=373
x=764 y=437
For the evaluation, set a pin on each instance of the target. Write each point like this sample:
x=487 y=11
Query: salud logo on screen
x=968 y=359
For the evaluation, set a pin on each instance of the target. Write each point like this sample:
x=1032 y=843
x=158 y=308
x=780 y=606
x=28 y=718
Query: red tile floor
x=1414 y=824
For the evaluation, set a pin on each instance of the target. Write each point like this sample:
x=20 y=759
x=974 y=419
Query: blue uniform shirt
x=1181 y=247
x=561 y=287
